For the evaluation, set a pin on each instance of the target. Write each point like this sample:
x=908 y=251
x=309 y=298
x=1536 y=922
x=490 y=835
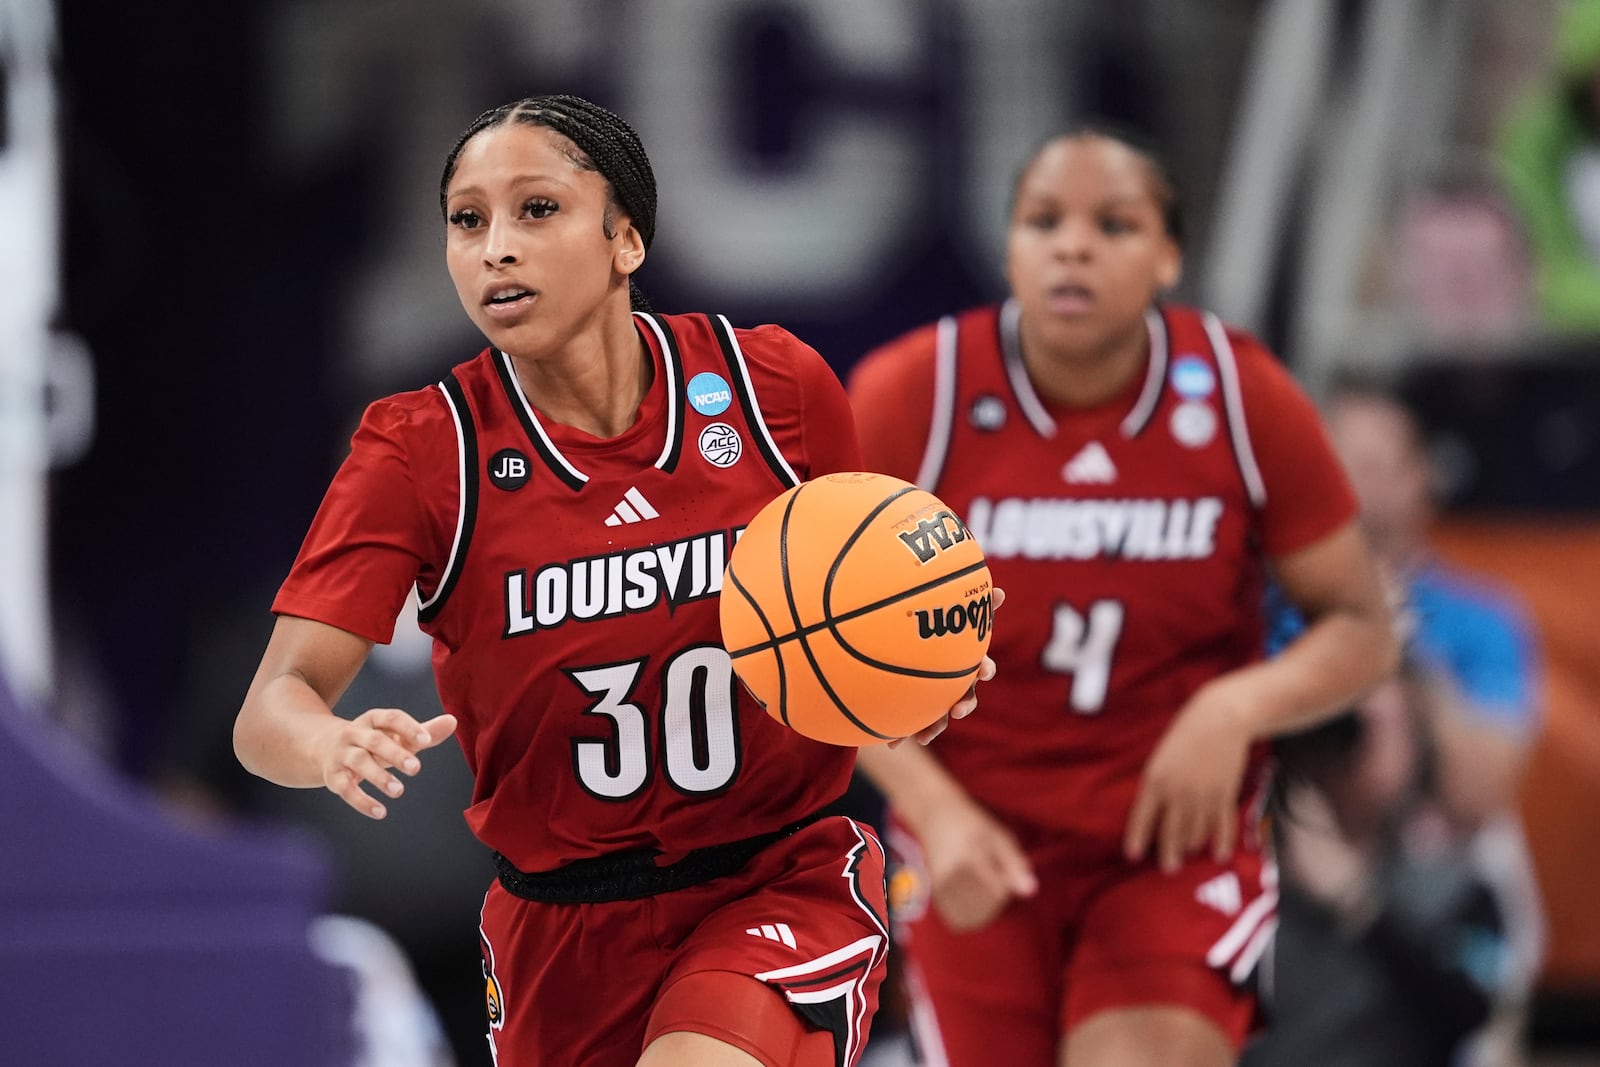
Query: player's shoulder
x=1248 y=349
x=911 y=351
x=902 y=361
x=767 y=349
x=423 y=412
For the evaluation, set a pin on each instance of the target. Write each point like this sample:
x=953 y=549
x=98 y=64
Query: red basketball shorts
x=579 y=984
x=1099 y=934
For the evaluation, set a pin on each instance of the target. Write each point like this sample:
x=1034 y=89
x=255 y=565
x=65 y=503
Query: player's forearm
x=278 y=730
x=1338 y=658
x=914 y=783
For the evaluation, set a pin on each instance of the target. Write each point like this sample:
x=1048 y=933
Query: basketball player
x=672 y=889
x=1084 y=882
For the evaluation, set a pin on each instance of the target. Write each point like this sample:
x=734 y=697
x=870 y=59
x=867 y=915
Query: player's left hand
x=969 y=700
x=1189 y=794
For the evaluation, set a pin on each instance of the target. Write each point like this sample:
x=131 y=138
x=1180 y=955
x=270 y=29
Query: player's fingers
x=986 y=669
x=996 y=598
x=436 y=730
x=1227 y=831
x=367 y=768
x=347 y=787
x=1016 y=873
x=1141 y=821
x=926 y=735
x=967 y=704
x=1173 y=836
x=403 y=726
x=389 y=749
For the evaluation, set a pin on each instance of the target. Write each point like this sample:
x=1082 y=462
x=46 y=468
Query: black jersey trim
x=677 y=390
x=740 y=375
x=466 y=517
x=570 y=476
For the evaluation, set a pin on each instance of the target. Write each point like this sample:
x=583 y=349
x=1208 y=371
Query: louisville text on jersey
x=1053 y=528
x=618 y=583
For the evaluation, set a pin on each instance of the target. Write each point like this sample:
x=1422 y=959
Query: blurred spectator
x=1551 y=152
x=429 y=908
x=1475 y=647
x=1463 y=270
x=1391 y=945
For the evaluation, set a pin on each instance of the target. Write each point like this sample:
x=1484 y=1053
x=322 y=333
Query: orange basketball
x=856 y=608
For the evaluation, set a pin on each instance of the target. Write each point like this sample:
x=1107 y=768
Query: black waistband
x=634 y=875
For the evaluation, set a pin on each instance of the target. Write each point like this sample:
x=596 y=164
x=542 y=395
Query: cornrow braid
x=602 y=142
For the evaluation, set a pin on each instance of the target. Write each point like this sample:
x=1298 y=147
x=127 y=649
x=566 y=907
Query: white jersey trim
x=461 y=501
x=944 y=405
x=1017 y=371
x=1155 y=375
x=672 y=389
x=1233 y=402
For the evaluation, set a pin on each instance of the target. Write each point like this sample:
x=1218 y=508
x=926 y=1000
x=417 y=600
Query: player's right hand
x=975 y=865
x=360 y=751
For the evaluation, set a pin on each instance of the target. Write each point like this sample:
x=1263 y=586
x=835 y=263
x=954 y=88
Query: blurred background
x=220 y=240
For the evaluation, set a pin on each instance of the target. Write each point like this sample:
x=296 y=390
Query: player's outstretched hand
x=1190 y=791
x=969 y=700
x=975 y=865
x=354 y=752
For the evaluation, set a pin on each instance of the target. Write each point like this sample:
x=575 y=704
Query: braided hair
x=601 y=142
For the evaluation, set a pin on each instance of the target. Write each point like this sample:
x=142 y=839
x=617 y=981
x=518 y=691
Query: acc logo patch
x=508 y=469
x=721 y=444
x=1192 y=378
x=709 y=393
x=1193 y=423
x=988 y=413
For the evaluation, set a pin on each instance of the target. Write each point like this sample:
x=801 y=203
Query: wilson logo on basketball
x=974 y=615
x=934 y=535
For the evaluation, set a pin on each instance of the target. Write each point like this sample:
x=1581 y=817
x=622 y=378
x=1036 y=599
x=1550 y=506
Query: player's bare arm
x=1189 y=793
x=287 y=732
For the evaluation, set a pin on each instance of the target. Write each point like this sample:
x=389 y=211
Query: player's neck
x=598 y=380
x=1082 y=377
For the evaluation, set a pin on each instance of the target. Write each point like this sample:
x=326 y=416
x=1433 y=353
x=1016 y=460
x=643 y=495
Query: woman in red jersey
x=672 y=887
x=1084 y=881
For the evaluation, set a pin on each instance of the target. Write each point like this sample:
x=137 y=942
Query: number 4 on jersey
x=1083 y=649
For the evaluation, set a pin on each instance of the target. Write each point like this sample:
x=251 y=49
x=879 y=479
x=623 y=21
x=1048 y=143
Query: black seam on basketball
x=799 y=631
x=772 y=634
x=856 y=613
x=827 y=687
x=788 y=595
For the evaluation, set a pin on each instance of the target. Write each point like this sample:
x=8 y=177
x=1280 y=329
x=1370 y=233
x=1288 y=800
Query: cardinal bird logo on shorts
x=495 y=1000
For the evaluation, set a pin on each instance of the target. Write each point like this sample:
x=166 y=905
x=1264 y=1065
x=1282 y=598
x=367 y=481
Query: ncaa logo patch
x=508 y=469
x=1192 y=378
x=720 y=444
x=709 y=393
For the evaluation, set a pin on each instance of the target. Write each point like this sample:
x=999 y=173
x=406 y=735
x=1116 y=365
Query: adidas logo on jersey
x=1221 y=893
x=1092 y=465
x=773 y=932
x=633 y=508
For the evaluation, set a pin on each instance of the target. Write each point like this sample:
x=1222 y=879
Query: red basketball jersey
x=1130 y=538
x=570 y=584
